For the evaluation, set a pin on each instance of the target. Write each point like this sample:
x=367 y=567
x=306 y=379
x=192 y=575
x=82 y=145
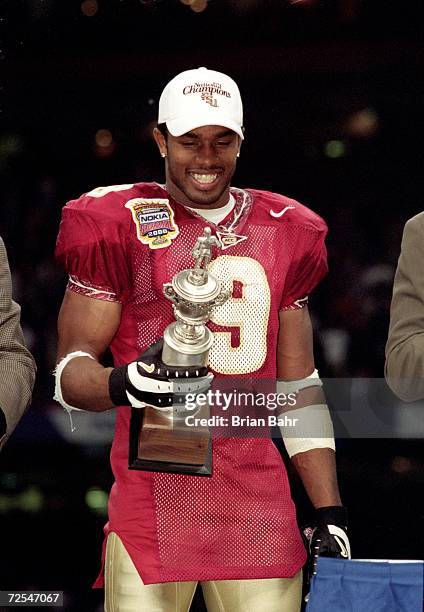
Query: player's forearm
x=317 y=470
x=85 y=384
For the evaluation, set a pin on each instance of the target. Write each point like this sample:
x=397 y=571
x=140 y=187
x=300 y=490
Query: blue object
x=366 y=586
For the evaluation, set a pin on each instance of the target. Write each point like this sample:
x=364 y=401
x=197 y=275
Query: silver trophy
x=163 y=441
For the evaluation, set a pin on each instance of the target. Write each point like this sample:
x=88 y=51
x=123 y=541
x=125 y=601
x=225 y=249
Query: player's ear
x=160 y=141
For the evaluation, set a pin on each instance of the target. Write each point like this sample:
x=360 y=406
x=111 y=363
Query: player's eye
x=188 y=143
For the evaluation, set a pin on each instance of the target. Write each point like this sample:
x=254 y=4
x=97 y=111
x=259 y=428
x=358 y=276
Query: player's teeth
x=205 y=178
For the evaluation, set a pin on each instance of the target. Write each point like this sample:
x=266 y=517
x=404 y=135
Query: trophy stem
x=178 y=351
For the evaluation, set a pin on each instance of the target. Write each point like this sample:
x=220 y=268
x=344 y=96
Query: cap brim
x=182 y=125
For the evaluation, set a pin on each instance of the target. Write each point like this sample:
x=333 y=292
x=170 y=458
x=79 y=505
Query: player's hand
x=326 y=538
x=148 y=381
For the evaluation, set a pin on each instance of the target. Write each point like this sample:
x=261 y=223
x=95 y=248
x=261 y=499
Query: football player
x=235 y=532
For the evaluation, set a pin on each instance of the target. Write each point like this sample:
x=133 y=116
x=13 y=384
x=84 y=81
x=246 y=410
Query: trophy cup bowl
x=161 y=440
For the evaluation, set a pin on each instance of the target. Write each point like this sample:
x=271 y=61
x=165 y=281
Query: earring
x=163 y=155
x=238 y=154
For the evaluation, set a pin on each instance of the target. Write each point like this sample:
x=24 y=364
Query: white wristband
x=58 y=374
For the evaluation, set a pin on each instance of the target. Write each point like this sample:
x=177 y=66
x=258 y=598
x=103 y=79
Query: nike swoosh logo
x=276 y=215
x=147 y=368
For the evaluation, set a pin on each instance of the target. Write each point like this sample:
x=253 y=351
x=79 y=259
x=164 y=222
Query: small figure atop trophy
x=163 y=441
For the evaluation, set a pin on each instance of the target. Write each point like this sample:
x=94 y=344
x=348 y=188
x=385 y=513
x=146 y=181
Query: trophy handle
x=169 y=292
x=221 y=298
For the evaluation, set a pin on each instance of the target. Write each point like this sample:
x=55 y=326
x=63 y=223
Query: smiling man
x=235 y=531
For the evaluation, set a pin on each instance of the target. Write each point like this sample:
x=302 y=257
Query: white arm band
x=313 y=427
x=58 y=375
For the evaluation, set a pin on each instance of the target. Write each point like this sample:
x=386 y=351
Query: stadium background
x=334 y=99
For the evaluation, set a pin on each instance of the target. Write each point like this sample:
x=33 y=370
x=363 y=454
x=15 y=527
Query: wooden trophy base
x=162 y=444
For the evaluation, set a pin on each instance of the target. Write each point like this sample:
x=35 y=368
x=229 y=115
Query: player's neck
x=215 y=215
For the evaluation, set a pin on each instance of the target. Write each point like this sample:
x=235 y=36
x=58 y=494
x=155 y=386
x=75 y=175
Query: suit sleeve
x=404 y=367
x=91 y=248
x=17 y=366
x=308 y=267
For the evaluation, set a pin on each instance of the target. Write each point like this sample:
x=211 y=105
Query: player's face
x=200 y=165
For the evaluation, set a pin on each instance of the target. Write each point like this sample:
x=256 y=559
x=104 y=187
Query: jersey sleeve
x=308 y=267
x=91 y=247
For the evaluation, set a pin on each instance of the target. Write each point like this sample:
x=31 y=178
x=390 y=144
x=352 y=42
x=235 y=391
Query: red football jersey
x=123 y=243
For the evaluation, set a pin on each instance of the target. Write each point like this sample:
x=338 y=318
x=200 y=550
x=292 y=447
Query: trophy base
x=162 y=444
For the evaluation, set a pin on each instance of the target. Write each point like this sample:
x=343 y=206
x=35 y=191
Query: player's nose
x=206 y=156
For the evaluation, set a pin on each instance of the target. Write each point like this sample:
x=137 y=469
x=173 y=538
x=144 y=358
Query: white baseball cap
x=199 y=97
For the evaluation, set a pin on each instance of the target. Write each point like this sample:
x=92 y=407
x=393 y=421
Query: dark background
x=333 y=96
